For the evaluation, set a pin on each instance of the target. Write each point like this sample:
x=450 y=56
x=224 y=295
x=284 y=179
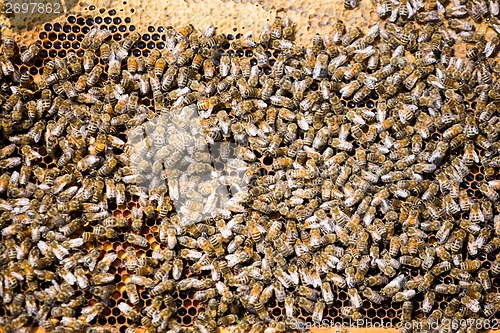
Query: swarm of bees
x=292 y=176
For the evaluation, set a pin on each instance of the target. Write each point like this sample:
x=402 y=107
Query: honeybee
x=132 y=293
x=92 y=311
x=30 y=52
x=129 y=312
x=137 y=240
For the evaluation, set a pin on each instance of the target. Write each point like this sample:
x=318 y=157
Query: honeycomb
x=59 y=38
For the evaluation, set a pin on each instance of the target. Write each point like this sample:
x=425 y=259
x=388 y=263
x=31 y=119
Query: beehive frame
x=61 y=36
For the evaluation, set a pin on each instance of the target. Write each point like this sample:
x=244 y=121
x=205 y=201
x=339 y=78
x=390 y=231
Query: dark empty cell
x=360 y=104
x=123 y=329
x=267 y=70
x=115 y=312
x=186 y=320
x=61 y=36
x=117 y=37
x=276 y=54
x=108 y=20
x=178 y=302
x=342 y=296
x=98 y=20
x=122 y=28
x=470 y=193
x=230 y=53
x=52 y=36
x=47 y=45
x=102 y=321
x=436 y=136
x=90 y=21
x=192 y=311
x=112 y=12
x=67 y=28
x=414 y=271
x=491 y=256
x=71 y=19
x=390 y=313
x=253 y=62
x=127 y=20
x=113 y=28
x=248 y=53
x=272 y=62
x=151 y=45
x=93 y=321
x=351 y=104
x=57 y=27
x=160 y=45
x=48 y=27
x=71 y=37
x=276 y=311
x=182 y=312
x=486 y=265
x=146 y=37
x=80 y=21
x=33 y=71
x=370 y=104
x=464 y=185
x=62 y=53
x=76 y=45
x=474 y=185
x=52 y=53
x=141 y=45
x=332 y=312
x=146 y=53
x=448 y=280
x=479 y=177
x=381 y=313
x=75 y=28
x=479 y=195
x=268 y=160
x=356 y=144
x=155 y=37
x=111 y=320
x=470 y=177
x=240 y=53
x=85 y=30
x=111 y=303
x=337 y=304
x=219 y=166
x=57 y=45
x=117 y=20
x=121 y=320
x=132 y=28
